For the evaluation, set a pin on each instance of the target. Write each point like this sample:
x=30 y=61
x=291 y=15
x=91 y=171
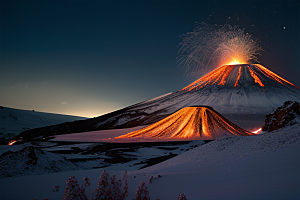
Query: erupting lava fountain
x=196 y=123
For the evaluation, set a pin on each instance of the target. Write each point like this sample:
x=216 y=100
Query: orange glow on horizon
x=190 y=123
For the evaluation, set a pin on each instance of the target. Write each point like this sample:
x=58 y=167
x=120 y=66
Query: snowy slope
x=230 y=89
x=14 y=121
x=257 y=167
x=31 y=160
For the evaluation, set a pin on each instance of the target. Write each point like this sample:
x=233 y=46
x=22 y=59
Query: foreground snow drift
x=263 y=167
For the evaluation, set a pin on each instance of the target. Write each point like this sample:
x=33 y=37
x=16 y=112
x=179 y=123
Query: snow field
x=264 y=166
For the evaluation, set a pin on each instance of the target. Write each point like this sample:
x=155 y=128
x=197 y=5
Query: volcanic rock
x=286 y=115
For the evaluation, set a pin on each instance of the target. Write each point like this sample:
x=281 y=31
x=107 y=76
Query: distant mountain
x=14 y=121
x=196 y=123
x=229 y=89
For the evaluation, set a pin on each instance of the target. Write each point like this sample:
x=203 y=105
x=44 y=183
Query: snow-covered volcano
x=229 y=89
x=197 y=123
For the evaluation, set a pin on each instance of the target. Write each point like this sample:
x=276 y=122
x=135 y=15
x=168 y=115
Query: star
x=284 y=28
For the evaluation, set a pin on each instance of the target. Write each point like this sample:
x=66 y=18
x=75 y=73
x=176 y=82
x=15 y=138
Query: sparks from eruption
x=190 y=123
x=209 y=47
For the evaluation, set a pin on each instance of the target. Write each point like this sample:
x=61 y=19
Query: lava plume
x=201 y=123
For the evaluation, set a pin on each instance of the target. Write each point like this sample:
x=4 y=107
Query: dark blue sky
x=91 y=57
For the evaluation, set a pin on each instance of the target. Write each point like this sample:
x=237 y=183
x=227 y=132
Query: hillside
x=15 y=121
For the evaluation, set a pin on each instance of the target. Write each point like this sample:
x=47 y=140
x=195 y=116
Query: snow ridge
x=30 y=161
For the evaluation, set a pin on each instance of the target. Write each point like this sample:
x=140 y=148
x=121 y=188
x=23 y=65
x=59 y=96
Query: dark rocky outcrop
x=288 y=114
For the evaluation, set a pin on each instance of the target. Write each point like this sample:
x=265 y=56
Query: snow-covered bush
x=181 y=197
x=111 y=188
x=107 y=189
x=73 y=191
x=142 y=192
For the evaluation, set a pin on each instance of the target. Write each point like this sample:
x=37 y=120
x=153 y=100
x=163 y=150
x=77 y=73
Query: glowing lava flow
x=12 y=142
x=238 y=78
x=257 y=131
x=273 y=76
x=211 y=78
x=256 y=79
x=200 y=123
x=238 y=75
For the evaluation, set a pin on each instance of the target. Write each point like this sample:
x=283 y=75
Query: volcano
x=243 y=88
x=196 y=123
x=229 y=89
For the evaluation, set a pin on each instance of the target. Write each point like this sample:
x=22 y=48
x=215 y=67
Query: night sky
x=88 y=58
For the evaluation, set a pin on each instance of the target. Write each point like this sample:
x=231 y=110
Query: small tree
x=181 y=197
x=142 y=192
x=111 y=188
x=73 y=191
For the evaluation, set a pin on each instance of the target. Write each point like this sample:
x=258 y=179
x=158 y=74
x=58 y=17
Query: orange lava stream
x=238 y=78
x=224 y=77
x=274 y=76
x=12 y=142
x=255 y=77
x=213 y=77
x=190 y=123
x=257 y=131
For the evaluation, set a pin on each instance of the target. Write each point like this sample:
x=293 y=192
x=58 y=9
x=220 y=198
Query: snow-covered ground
x=14 y=121
x=264 y=166
x=95 y=136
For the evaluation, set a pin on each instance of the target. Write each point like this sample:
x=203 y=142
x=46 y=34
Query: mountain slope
x=14 y=121
x=197 y=123
x=230 y=89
